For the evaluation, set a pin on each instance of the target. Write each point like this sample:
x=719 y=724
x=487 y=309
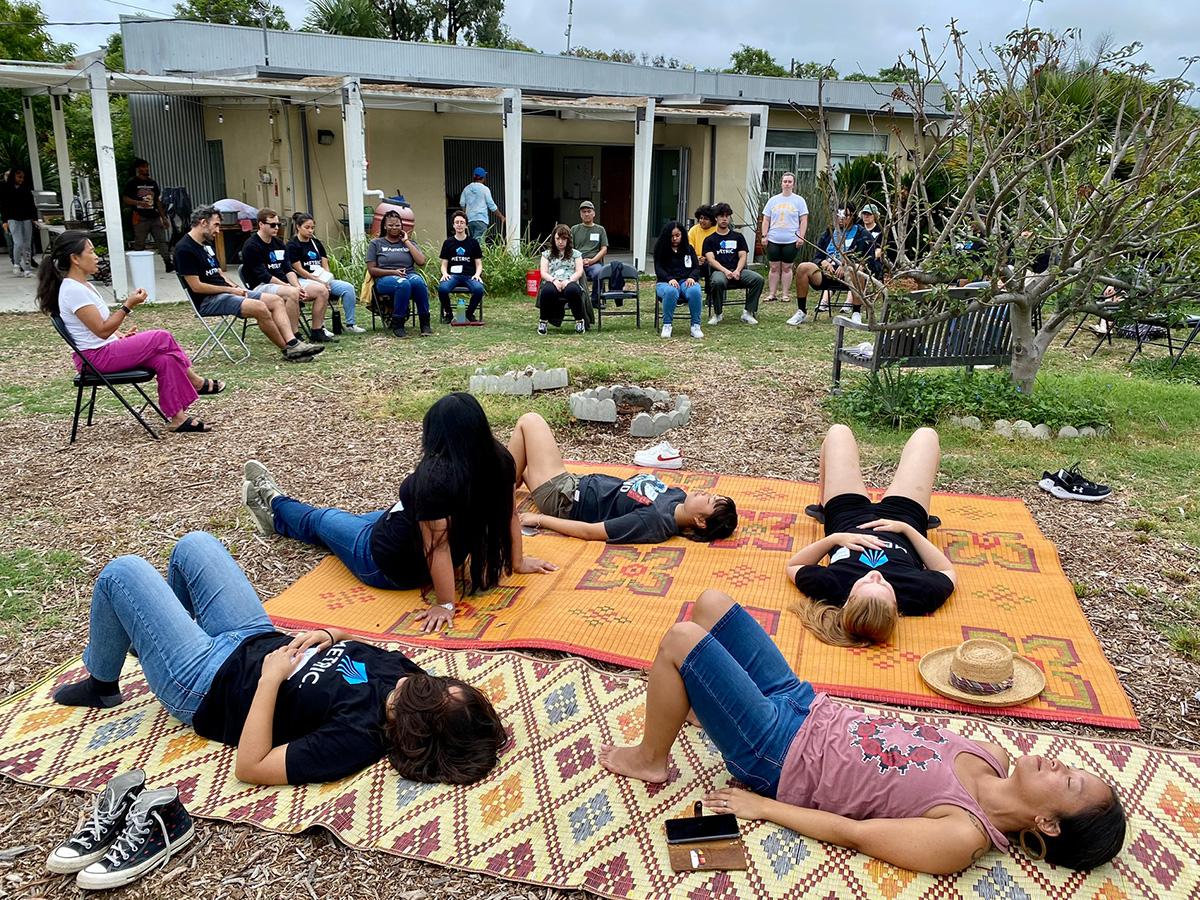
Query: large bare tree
x=1039 y=153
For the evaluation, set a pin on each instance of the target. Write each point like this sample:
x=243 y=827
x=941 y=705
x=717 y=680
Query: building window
x=844 y=148
x=788 y=151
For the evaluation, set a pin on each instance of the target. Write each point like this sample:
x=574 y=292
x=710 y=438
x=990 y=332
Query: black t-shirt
x=460 y=256
x=918 y=590
x=726 y=247
x=308 y=253
x=262 y=261
x=193 y=258
x=141 y=190
x=396 y=543
x=638 y=510
x=330 y=712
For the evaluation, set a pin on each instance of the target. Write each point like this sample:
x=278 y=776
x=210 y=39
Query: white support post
x=106 y=164
x=354 y=142
x=65 y=178
x=35 y=163
x=512 y=124
x=643 y=157
x=756 y=149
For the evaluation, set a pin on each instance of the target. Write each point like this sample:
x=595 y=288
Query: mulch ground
x=115 y=492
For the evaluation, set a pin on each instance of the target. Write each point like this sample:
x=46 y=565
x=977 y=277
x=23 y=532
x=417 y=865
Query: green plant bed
x=895 y=399
x=1186 y=371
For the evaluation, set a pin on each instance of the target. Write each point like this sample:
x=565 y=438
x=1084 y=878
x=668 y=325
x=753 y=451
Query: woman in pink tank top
x=915 y=796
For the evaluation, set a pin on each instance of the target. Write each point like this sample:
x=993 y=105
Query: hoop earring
x=1023 y=838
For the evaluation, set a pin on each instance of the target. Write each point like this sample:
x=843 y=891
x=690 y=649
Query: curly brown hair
x=434 y=735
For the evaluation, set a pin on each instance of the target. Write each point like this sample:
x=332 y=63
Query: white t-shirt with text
x=783 y=217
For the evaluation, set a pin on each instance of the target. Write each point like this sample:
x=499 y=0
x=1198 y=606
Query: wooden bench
x=979 y=338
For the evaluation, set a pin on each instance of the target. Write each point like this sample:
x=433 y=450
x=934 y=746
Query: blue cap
x=480 y=172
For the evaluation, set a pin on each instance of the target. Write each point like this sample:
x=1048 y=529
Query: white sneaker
x=696 y=332
x=354 y=329
x=798 y=317
x=748 y=319
x=666 y=332
x=661 y=456
x=16 y=269
x=716 y=320
x=845 y=309
x=856 y=318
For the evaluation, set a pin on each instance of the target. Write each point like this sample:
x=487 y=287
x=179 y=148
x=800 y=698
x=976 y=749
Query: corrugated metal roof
x=164 y=46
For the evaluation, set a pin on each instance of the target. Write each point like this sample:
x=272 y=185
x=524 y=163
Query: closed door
x=616 y=194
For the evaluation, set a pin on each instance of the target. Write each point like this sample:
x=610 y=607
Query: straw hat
x=982 y=672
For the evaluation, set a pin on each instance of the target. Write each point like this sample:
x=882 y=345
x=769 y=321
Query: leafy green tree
x=77 y=114
x=232 y=12
x=749 y=60
x=814 y=70
x=505 y=41
x=352 y=18
x=471 y=22
x=622 y=56
x=897 y=73
x=26 y=39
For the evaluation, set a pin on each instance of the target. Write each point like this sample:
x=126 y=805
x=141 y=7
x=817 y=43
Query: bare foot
x=692 y=720
x=628 y=761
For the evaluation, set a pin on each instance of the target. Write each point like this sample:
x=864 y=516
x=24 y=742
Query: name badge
x=687 y=261
x=456 y=270
x=594 y=236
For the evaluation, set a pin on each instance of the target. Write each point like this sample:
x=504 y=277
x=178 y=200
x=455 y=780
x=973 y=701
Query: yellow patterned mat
x=614 y=602
x=550 y=815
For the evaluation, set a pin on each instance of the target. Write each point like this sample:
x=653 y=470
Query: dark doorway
x=537 y=188
x=616 y=193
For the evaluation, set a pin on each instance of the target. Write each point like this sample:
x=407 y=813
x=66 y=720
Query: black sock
x=802 y=304
x=293 y=342
x=89 y=692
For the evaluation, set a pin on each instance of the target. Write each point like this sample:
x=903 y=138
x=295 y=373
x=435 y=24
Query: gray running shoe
x=258 y=490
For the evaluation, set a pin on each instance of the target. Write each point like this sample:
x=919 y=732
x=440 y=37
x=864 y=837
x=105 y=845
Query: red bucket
x=533 y=281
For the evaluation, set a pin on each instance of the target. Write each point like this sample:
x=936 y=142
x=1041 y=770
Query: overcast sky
x=879 y=31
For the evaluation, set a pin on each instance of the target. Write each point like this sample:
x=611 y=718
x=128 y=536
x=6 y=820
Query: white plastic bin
x=141 y=272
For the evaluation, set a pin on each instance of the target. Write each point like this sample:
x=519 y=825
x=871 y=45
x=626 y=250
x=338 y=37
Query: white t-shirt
x=73 y=296
x=783 y=216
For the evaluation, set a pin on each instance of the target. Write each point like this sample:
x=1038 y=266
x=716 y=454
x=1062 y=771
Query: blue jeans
x=400 y=289
x=183 y=628
x=345 y=535
x=344 y=291
x=671 y=296
x=477 y=229
x=747 y=698
x=456 y=281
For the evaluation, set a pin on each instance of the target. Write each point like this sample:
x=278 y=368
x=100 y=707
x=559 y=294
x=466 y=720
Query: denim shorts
x=747 y=698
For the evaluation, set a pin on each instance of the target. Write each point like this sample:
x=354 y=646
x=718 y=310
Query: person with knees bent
x=392 y=260
x=462 y=267
x=215 y=295
x=562 y=276
x=881 y=564
x=727 y=254
x=264 y=265
x=808 y=763
x=677 y=270
x=306 y=257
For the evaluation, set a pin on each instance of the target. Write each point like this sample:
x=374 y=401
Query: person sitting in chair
x=264 y=265
x=677 y=269
x=637 y=510
x=306 y=257
x=828 y=271
x=392 y=260
x=215 y=295
x=706 y=224
x=590 y=238
x=881 y=564
x=313 y=707
x=562 y=272
x=727 y=253
x=462 y=267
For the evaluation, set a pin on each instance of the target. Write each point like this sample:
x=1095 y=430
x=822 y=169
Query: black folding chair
x=606 y=294
x=91 y=377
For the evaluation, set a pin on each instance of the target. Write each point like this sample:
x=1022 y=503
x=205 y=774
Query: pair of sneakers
x=663 y=455
x=129 y=832
x=696 y=332
x=717 y=318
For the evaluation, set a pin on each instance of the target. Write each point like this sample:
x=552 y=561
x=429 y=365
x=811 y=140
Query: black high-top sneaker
x=92 y=839
x=156 y=827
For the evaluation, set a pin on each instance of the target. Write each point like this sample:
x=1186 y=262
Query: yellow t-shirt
x=696 y=236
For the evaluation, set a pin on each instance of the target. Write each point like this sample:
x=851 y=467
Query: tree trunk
x=1028 y=350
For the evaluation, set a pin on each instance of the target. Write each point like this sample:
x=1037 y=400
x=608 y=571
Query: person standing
x=392 y=260
x=727 y=253
x=462 y=267
x=476 y=199
x=143 y=196
x=19 y=214
x=784 y=223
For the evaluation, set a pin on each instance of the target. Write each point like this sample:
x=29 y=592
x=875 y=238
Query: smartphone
x=692 y=829
x=528 y=530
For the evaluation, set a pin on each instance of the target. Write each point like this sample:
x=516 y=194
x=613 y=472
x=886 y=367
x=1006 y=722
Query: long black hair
x=1088 y=839
x=54 y=268
x=662 y=247
x=460 y=456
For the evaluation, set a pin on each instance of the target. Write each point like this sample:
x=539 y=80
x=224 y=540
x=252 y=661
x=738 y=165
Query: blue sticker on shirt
x=873 y=558
x=353 y=672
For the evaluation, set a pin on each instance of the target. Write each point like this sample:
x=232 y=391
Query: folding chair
x=606 y=293
x=224 y=326
x=91 y=377
x=730 y=298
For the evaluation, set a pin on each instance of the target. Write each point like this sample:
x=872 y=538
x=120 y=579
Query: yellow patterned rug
x=614 y=602
x=550 y=815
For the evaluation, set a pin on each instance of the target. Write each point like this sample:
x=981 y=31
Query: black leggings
x=552 y=303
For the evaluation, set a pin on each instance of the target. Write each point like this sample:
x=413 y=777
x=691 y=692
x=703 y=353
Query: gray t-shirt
x=387 y=255
x=588 y=239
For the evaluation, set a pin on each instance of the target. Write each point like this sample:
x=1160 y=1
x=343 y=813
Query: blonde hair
x=863 y=621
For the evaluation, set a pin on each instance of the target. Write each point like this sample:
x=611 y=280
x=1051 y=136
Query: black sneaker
x=541 y=327
x=425 y=329
x=321 y=336
x=156 y=827
x=447 y=318
x=400 y=331
x=93 y=838
x=1069 y=484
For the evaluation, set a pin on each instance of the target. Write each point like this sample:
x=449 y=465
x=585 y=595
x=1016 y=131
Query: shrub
x=895 y=399
x=1186 y=371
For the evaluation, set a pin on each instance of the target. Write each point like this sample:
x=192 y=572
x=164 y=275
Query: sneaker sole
x=656 y=464
x=69 y=866
x=108 y=880
x=1052 y=487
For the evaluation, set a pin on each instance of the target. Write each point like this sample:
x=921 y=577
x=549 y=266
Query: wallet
x=700 y=856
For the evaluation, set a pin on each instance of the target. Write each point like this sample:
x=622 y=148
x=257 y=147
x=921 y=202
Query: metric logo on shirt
x=643 y=489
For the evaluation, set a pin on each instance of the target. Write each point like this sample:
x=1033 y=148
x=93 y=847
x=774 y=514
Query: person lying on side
x=637 y=510
x=881 y=565
x=313 y=707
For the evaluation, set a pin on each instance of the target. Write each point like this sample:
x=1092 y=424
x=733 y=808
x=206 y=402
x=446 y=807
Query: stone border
x=520 y=384
x=600 y=405
x=1025 y=429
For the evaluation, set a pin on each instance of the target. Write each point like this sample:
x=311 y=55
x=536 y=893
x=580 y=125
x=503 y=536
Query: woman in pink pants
x=64 y=290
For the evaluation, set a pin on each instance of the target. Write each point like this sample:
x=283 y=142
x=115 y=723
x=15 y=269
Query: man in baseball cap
x=476 y=199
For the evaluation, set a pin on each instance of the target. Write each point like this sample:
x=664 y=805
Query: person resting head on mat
x=915 y=796
x=881 y=565
x=455 y=516
x=637 y=510
x=313 y=707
